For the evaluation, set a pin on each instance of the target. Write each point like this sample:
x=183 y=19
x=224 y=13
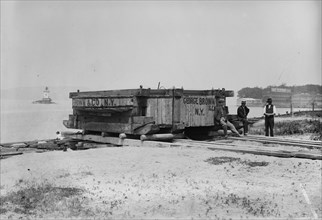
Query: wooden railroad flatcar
x=145 y=111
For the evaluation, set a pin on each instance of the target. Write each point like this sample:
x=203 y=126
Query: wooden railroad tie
x=224 y=145
x=299 y=143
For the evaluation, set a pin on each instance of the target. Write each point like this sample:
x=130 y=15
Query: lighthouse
x=46 y=93
x=45 y=99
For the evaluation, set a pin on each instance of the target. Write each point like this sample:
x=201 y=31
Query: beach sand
x=167 y=183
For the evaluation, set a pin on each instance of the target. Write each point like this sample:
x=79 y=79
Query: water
x=23 y=121
x=258 y=111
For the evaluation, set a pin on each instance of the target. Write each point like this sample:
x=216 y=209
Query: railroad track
x=312 y=151
x=308 y=149
x=282 y=141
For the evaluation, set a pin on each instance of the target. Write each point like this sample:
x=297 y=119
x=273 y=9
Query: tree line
x=257 y=92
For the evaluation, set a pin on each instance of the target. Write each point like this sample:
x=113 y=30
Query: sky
x=103 y=45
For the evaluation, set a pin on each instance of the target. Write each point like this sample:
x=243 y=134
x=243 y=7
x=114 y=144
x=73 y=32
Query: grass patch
x=87 y=173
x=2 y=211
x=256 y=164
x=255 y=207
x=298 y=127
x=64 y=175
x=222 y=160
x=41 y=200
x=34 y=198
x=289 y=127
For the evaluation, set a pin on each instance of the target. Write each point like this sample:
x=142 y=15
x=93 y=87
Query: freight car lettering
x=199 y=100
x=190 y=100
x=108 y=102
x=101 y=102
x=211 y=108
x=199 y=111
x=78 y=102
x=206 y=101
x=93 y=102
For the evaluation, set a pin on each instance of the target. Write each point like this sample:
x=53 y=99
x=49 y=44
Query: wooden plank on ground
x=269 y=153
x=252 y=149
x=25 y=143
x=209 y=145
x=239 y=146
x=99 y=139
x=286 y=139
x=276 y=141
x=10 y=154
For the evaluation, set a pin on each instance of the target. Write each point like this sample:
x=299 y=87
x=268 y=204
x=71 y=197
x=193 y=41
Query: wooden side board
x=160 y=109
x=150 y=92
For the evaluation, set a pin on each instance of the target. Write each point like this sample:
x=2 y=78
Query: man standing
x=269 y=112
x=221 y=118
x=242 y=113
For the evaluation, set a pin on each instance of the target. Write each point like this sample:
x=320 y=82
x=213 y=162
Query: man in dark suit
x=242 y=113
x=269 y=112
x=220 y=113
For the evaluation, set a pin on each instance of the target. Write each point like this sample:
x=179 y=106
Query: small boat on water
x=45 y=99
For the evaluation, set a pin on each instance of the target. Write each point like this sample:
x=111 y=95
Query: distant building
x=306 y=100
x=281 y=96
x=251 y=102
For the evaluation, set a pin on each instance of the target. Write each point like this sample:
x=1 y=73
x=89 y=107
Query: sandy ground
x=174 y=183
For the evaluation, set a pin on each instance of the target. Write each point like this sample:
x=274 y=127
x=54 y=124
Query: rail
x=313 y=149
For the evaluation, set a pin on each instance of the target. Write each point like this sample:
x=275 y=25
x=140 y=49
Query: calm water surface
x=21 y=120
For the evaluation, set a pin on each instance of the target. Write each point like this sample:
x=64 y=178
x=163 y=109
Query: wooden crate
x=144 y=111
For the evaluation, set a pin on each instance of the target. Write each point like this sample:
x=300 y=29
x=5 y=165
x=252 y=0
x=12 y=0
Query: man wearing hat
x=220 y=113
x=269 y=112
x=242 y=113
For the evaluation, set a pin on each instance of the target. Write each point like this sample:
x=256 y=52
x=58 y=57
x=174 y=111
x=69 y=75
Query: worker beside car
x=242 y=113
x=220 y=117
